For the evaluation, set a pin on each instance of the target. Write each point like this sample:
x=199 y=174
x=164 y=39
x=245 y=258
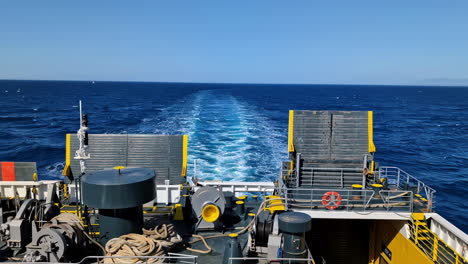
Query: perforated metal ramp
x=332 y=146
x=167 y=154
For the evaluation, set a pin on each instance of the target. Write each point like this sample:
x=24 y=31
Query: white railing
x=12 y=189
x=272 y=260
x=240 y=187
x=450 y=234
x=401 y=180
x=402 y=192
x=347 y=199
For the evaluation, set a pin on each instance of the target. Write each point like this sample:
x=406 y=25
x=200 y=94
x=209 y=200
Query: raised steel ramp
x=167 y=154
x=332 y=147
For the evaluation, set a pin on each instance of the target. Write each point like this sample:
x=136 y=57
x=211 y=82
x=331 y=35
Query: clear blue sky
x=378 y=42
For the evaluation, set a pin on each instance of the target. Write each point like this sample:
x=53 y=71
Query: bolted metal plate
x=115 y=189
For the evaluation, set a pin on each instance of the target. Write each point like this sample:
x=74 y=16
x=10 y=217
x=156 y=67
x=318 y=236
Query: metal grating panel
x=328 y=142
x=331 y=135
x=160 y=152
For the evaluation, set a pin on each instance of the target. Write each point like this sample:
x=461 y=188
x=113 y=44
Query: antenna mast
x=81 y=154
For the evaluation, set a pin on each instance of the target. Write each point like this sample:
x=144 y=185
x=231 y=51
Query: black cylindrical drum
x=119 y=194
x=116 y=222
x=240 y=208
x=293 y=226
x=229 y=197
x=232 y=250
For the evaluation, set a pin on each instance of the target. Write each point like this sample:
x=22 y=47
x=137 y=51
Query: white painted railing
x=240 y=187
x=12 y=189
x=449 y=233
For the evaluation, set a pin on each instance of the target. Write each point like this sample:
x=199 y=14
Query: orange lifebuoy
x=331 y=200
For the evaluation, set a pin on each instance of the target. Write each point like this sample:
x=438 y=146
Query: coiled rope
x=73 y=219
x=153 y=242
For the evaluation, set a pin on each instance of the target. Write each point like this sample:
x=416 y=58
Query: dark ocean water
x=239 y=132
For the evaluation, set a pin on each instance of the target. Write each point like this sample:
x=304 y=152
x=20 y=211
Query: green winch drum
x=119 y=195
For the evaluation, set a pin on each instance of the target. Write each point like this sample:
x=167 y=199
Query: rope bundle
x=152 y=243
x=70 y=219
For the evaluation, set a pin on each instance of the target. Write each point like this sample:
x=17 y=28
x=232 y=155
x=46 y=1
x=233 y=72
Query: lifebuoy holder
x=331 y=200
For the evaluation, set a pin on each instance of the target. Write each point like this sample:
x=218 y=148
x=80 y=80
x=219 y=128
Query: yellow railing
x=429 y=243
x=158 y=209
x=291 y=131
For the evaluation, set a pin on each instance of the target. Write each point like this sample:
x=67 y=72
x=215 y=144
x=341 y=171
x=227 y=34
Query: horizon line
x=242 y=83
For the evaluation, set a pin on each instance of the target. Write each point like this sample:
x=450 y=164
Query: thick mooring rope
x=74 y=220
x=70 y=219
x=153 y=242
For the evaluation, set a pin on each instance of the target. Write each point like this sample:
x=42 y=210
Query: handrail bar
x=172 y=256
x=403 y=180
x=267 y=260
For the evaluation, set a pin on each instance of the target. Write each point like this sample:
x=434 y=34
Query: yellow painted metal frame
x=179 y=213
x=386 y=233
x=372 y=168
x=184 y=155
x=370 y=131
x=65 y=191
x=430 y=244
x=275 y=204
x=291 y=131
x=154 y=209
x=291 y=167
x=67 y=170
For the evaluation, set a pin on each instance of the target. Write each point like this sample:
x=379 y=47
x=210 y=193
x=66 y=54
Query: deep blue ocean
x=239 y=131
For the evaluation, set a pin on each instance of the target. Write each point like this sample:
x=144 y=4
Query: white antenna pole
x=82 y=134
x=81 y=114
x=81 y=154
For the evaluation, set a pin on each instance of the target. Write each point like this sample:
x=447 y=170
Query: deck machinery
x=127 y=199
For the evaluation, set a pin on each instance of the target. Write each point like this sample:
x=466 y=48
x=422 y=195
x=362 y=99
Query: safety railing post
x=364 y=200
x=411 y=209
x=398 y=179
x=435 y=249
x=416 y=231
x=298 y=162
x=364 y=165
x=407 y=178
x=363 y=181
